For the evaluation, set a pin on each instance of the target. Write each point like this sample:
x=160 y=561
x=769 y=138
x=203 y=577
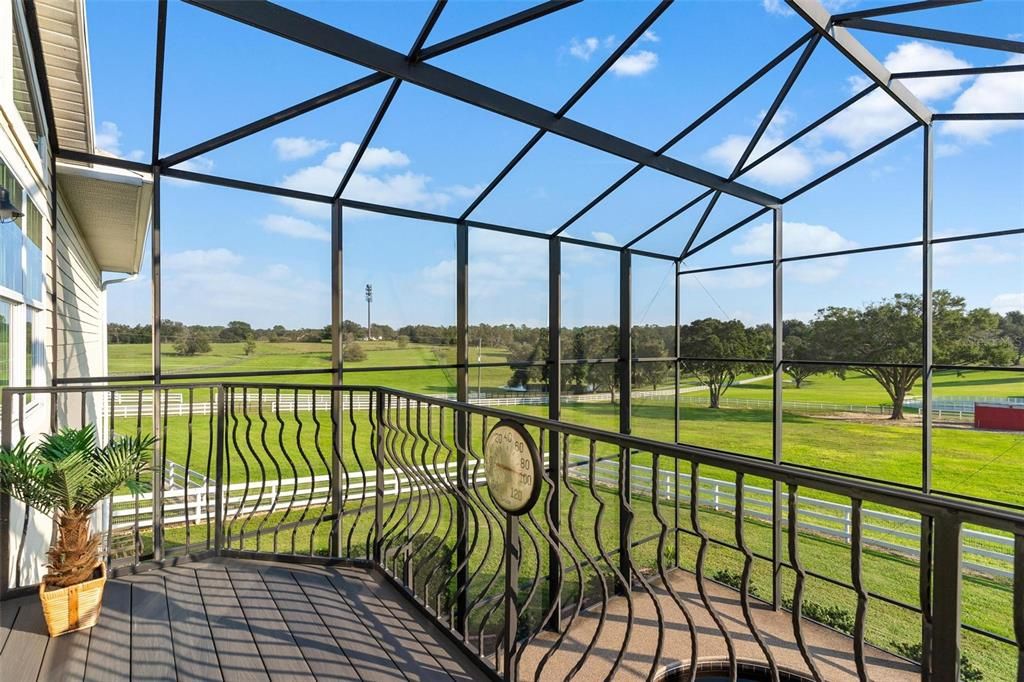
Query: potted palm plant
x=65 y=476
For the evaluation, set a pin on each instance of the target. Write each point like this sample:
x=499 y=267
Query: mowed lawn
x=984 y=464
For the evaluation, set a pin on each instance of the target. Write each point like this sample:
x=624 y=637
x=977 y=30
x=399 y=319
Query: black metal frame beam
x=762 y=127
x=898 y=9
x=605 y=66
x=334 y=41
x=715 y=108
x=922 y=33
x=389 y=97
x=815 y=14
x=366 y=82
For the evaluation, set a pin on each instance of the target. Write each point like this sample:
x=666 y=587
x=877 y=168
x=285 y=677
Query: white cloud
x=990 y=92
x=816 y=271
x=199 y=164
x=278 y=271
x=108 y=139
x=917 y=56
x=798 y=239
x=296 y=228
x=464 y=192
x=973 y=253
x=1005 y=303
x=583 y=49
x=290 y=148
x=202 y=259
x=262 y=296
x=789 y=165
x=650 y=36
x=878 y=115
x=635 y=64
x=604 y=238
x=375 y=181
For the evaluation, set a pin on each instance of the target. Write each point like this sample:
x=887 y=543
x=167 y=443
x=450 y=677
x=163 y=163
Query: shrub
x=968 y=672
x=353 y=352
x=733 y=579
x=403 y=340
x=834 y=617
x=191 y=342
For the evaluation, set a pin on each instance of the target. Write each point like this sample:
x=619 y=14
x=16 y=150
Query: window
x=5 y=346
x=20 y=239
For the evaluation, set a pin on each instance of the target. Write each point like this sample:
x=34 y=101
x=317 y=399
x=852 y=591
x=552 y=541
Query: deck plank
x=111 y=638
x=8 y=612
x=281 y=655
x=318 y=646
x=66 y=657
x=194 y=653
x=26 y=645
x=368 y=648
x=239 y=657
x=152 y=651
x=451 y=658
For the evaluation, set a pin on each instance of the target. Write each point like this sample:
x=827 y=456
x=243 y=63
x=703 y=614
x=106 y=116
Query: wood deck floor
x=237 y=620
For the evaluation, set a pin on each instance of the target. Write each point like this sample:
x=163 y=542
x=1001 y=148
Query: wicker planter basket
x=77 y=607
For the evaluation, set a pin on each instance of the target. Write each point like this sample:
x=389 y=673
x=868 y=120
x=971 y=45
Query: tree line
x=886 y=337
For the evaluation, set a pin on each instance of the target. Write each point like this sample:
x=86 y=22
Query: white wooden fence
x=883 y=530
x=984 y=553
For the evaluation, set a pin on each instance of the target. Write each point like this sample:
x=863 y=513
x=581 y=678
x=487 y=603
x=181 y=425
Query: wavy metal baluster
x=209 y=463
x=436 y=486
x=263 y=475
x=857 y=575
x=291 y=465
x=376 y=455
x=798 y=590
x=498 y=601
x=309 y=465
x=353 y=431
x=446 y=507
x=406 y=459
x=327 y=467
x=571 y=517
x=245 y=466
x=188 y=470
x=227 y=483
x=611 y=564
x=658 y=611
x=701 y=554
x=687 y=616
x=423 y=486
x=490 y=516
x=748 y=562
x=388 y=456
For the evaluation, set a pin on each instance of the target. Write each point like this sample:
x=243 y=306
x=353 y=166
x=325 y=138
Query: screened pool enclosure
x=750 y=318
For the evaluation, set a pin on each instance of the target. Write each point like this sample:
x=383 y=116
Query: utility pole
x=369 y=300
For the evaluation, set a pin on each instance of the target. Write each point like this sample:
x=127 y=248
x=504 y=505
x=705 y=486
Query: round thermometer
x=512 y=463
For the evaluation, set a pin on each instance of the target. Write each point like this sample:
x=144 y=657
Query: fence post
x=945 y=644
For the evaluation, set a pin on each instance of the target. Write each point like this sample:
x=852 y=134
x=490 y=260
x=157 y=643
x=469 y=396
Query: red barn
x=999 y=417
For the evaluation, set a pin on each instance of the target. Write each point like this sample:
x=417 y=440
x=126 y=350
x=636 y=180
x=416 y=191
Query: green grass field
x=984 y=464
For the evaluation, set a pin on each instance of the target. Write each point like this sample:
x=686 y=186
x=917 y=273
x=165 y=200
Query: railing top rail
x=922 y=503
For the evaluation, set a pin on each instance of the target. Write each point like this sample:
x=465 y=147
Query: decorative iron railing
x=638 y=558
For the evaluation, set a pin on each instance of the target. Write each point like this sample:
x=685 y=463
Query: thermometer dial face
x=512 y=464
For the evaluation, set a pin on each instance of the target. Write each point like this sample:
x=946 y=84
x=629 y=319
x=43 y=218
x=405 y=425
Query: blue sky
x=230 y=254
